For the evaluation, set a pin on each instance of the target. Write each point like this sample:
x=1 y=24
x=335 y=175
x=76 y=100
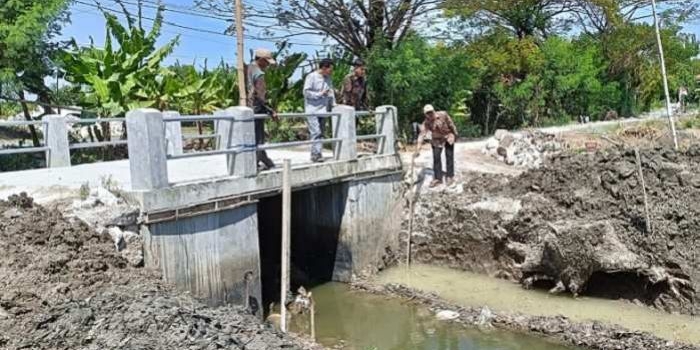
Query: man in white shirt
x=319 y=97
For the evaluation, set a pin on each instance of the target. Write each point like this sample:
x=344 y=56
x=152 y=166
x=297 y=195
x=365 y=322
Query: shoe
x=450 y=181
x=435 y=183
x=317 y=158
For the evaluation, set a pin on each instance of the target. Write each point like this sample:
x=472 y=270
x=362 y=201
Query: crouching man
x=444 y=134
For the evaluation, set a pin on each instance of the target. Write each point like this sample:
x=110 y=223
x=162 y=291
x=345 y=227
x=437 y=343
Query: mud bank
x=590 y=335
x=63 y=286
x=578 y=226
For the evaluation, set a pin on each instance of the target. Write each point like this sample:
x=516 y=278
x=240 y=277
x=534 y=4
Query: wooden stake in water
x=286 y=233
x=665 y=78
x=644 y=190
x=313 y=317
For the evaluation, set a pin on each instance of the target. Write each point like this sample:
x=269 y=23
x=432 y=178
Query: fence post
x=344 y=127
x=56 y=139
x=173 y=134
x=239 y=131
x=148 y=160
x=385 y=117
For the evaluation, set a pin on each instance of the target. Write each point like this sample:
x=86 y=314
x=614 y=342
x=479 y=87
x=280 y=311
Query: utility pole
x=243 y=100
x=663 y=73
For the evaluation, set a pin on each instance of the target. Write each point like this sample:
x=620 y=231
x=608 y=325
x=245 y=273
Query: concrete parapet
x=386 y=121
x=173 y=134
x=344 y=127
x=56 y=140
x=147 y=153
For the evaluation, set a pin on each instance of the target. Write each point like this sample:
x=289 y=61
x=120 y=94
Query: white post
x=239 y=132
x=663 y=73
x=173 y=134
x=286 y=239
x=56 y=139
x=344 y=128
x=385 y=117
x=148 y=160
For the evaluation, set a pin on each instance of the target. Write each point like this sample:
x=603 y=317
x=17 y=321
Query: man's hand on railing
x=275 y=116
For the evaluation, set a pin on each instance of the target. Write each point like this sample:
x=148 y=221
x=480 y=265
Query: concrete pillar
x=223 y=129
x=173 y=134
x=386 y=120
x=56 y=139
x=215 y=256
x=147 y=154
x=344 y=127
x=240 y=132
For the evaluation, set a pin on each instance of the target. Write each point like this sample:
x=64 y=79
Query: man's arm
x=452 y=125
x=309 y=92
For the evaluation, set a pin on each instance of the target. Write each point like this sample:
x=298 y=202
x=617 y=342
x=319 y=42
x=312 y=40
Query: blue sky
x=87 y=21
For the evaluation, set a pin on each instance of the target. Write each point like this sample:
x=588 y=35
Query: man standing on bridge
x=318 y=98
x=354 y=90
x=257 y=100
x=444 y=135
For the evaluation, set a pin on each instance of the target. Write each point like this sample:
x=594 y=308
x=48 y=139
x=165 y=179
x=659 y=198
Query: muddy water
x=477 y=290
x=354 y=320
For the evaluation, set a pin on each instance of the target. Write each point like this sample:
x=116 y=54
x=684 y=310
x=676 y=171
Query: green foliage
x=120 y=77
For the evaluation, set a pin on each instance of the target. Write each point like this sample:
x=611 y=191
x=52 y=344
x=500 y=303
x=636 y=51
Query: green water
x=354 y=320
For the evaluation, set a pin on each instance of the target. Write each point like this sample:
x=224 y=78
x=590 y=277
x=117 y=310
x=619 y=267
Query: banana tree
x=200 y=94
x=113 y=79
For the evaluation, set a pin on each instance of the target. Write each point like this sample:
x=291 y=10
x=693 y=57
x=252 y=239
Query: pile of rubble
x=527 y=149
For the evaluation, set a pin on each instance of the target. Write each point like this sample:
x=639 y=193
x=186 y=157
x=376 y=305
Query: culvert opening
x=618 y=285
x=315 y=232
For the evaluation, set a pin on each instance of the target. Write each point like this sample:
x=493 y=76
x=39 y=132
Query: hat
x=428 y=108
x=358 y=63
x=266 y=55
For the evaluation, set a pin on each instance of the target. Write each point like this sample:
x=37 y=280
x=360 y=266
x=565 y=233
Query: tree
x=114 y=80
x=26 y=28
x=602 y=16
x=357 y=25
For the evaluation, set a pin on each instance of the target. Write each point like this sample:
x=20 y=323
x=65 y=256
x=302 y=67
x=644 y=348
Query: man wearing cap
x=257 y=100
x=318 y=98
x=354 y=90
x=444 y=134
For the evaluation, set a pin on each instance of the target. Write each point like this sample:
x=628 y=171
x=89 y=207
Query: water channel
x=352 y=320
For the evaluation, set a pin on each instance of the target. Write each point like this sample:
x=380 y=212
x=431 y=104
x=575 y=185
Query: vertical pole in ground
x=663 y=73
x=242 y=101
x=286 y=228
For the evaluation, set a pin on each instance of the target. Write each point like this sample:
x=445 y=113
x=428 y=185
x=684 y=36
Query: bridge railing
x=150 y=129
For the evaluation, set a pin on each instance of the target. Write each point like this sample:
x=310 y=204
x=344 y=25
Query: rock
x=492 y=144
x=485 y=317
x=128 y=244
x=124 y=219
x=12 y=213
x=500 y=134
x=446 y=315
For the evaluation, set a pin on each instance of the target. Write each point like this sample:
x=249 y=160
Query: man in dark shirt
x=354 y=90
x=257 y=100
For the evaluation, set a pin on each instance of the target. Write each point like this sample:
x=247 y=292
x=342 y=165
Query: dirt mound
x=63 y=286
x=578 y=225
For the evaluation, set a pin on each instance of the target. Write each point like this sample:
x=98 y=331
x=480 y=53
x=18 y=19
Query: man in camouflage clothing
x=444 y=135
x=354 y=90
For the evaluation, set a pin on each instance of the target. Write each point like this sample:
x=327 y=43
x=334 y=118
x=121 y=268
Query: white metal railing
x=235 y=133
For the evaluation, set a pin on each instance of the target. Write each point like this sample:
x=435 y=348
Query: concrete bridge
x=211 y=222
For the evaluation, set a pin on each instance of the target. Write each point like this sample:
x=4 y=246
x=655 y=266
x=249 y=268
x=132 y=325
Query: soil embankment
x=577 y=225
x=63 y=286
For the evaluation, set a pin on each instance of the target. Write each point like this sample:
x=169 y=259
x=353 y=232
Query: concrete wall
x=209 y=254
x=359 y=218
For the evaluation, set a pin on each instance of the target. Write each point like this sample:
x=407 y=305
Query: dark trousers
x=437 y=161
x=259 y=140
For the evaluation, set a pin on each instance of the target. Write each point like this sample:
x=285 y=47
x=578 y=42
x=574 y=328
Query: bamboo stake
x=313 y=318
x=644 y=190
x=665 y=78
x=286 y=228
x=411 y=200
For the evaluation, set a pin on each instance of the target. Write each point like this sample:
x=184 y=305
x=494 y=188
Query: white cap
x=428 y=108
x=265 y=54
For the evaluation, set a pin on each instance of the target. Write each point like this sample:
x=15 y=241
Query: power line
x=206 y=31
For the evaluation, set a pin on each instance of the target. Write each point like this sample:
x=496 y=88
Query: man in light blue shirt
x=319 y=97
